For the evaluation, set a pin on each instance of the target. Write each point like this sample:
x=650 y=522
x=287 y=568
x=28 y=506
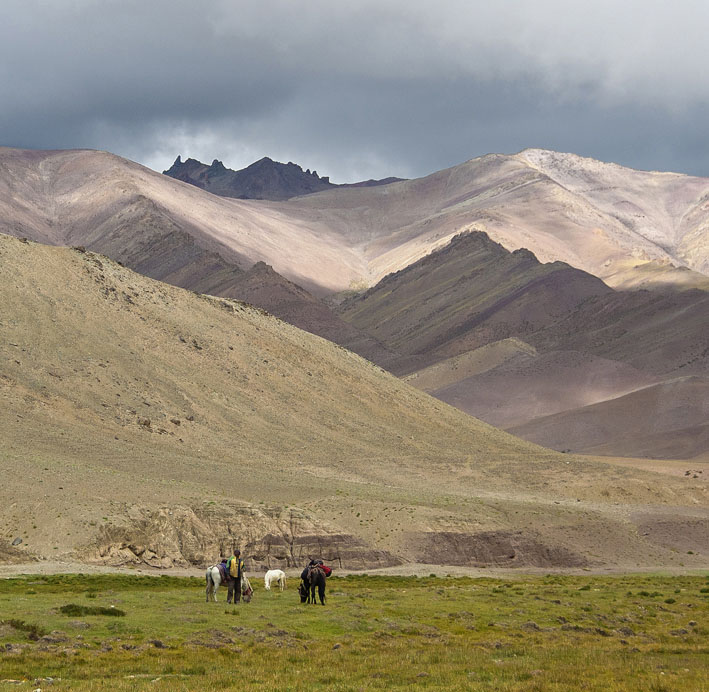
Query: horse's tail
x=211 y=588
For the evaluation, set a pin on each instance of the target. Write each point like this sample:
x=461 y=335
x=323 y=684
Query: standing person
x=235 y=569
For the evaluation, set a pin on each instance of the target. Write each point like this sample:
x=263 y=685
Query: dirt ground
x=409 y=570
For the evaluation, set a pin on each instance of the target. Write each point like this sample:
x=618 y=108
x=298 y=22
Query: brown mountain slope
x=592 y=343
x=531 y=386
x=154 y=425
x=468 y=294
x=668 y=420
x=265 y=288
x=668 y=209
x=660 y=332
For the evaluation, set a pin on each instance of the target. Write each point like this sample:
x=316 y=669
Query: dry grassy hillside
x=144 y=423
x=468 y=364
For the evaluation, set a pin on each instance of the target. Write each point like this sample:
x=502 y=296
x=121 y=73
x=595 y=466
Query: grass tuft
x=74 y=610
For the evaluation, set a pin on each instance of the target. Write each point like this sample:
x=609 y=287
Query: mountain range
x=447 y=295
x=562 y=299
x=351 y=237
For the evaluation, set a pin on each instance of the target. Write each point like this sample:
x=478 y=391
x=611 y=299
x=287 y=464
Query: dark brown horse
x=312 y=578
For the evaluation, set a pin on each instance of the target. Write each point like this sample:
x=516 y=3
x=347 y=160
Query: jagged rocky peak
x=263 y=179
x=179 y=168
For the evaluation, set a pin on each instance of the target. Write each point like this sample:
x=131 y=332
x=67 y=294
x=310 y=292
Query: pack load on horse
x=313 y=577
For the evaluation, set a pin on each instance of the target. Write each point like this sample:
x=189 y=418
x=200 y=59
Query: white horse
x=214 y=580
x=275 y=575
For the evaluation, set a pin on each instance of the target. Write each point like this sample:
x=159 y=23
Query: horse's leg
x=321 y=592
x=208 y=585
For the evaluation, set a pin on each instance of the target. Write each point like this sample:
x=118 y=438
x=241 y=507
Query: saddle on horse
x=327 y=571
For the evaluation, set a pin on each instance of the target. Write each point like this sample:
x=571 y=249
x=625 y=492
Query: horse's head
x=303 y=593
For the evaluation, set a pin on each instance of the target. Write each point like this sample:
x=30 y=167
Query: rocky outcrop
x=10 y=554
x=492 y=549
x=268 y=537
x=264 y=179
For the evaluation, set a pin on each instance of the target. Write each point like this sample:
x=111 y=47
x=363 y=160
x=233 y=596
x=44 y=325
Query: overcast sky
x=366 y=88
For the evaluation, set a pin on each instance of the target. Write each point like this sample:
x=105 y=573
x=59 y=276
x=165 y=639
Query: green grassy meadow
x=554 y=632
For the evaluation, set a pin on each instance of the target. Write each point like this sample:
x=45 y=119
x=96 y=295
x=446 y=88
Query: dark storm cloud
x=359 y=89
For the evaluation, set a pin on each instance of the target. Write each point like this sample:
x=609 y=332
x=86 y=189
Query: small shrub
x=34 y=632
x=74 y=610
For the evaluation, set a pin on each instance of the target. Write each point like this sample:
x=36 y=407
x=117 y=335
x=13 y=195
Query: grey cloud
x=357 y=89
